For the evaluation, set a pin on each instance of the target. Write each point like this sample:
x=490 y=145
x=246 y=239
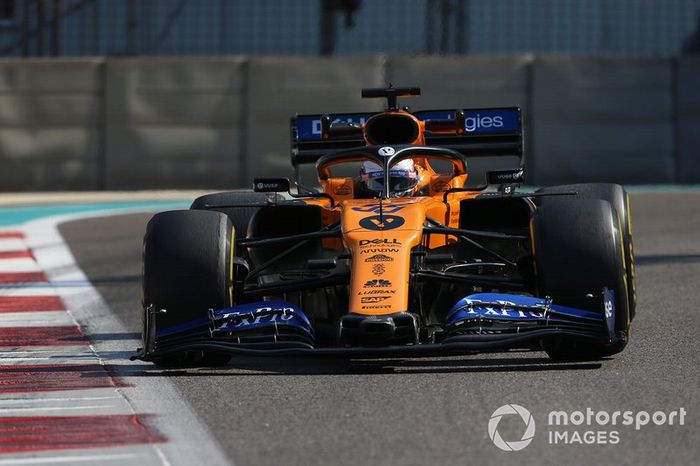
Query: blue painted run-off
x=17 y=215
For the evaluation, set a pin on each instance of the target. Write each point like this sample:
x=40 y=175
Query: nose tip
x=383 y=326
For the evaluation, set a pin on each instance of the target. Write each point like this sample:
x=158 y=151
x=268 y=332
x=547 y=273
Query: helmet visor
x=399 y=180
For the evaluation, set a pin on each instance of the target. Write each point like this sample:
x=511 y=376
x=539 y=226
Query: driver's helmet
x=403 y=178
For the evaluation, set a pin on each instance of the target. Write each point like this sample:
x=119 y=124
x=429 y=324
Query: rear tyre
x=577 y=246
x=187 y=271
x=619 y=199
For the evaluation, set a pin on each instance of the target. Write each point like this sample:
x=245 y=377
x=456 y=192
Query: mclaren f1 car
x=392 y=253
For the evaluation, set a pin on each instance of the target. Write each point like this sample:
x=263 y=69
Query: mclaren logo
x=373 y=299
x=379 y=258
x=382 y=222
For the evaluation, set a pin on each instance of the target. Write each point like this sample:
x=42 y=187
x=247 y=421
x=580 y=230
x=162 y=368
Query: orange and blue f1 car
x=390 y=252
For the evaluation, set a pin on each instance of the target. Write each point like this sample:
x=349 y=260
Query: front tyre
x=187 y=270
x=578 y=251
x=619 y=199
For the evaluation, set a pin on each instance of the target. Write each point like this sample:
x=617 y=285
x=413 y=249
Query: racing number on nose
x=384 y=222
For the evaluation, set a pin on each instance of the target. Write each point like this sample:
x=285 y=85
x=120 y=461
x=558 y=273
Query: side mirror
x=508 y=176
x=271 y=185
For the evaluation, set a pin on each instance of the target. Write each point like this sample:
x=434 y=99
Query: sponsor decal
x=378 y=283
x=378 y=269
x=373 y=299
x=379 y=241
x=609 y=300
x=259 y=315
x=386 y=151
x=386 y=208
x=378 y=250
x=270 y=185
x=370 y=292
x=505 y=176
x=316 y=124
x=342 y=190
x=477 y=122
x=376 y=306
x=379 y=258
x=485 y=310
x=383 y=222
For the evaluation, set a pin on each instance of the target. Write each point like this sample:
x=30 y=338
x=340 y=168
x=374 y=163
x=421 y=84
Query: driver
x=403 y=178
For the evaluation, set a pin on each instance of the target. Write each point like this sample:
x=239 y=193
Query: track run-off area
x=70 y=318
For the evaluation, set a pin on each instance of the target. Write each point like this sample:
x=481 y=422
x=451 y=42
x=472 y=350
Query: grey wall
x=278 y=88
x=174 y=122
x=688 y=124
x=602 y=119
x=473 y=82
x=216 y=122
x=51 y=124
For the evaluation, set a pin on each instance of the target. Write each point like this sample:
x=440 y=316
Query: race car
x=393 y=253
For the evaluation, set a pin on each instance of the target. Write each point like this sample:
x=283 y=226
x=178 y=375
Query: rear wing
x=487 y=132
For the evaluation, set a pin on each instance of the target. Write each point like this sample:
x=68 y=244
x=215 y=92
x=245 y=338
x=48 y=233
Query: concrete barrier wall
x=218 y=122
x=51 y=119
x=174 y=122
x=466 y=82
x=279 y=88
x=608 y=120
x=688 y=108
x=462 y=81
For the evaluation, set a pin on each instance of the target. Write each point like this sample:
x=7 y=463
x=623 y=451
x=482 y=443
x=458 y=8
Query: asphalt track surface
x=436 y=410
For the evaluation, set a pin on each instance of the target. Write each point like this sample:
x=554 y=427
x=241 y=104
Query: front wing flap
x=478 y=322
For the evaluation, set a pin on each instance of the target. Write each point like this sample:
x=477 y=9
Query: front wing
x=477 y=323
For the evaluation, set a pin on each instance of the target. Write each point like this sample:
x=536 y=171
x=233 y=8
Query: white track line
x=47 y=351
x=12 y=245
x=21 y=264
x=95 y=459
x=36 y=319
x=92 y=401
x=189 y=442
x=141 y=454
x=33 y=401
x=27 y=289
